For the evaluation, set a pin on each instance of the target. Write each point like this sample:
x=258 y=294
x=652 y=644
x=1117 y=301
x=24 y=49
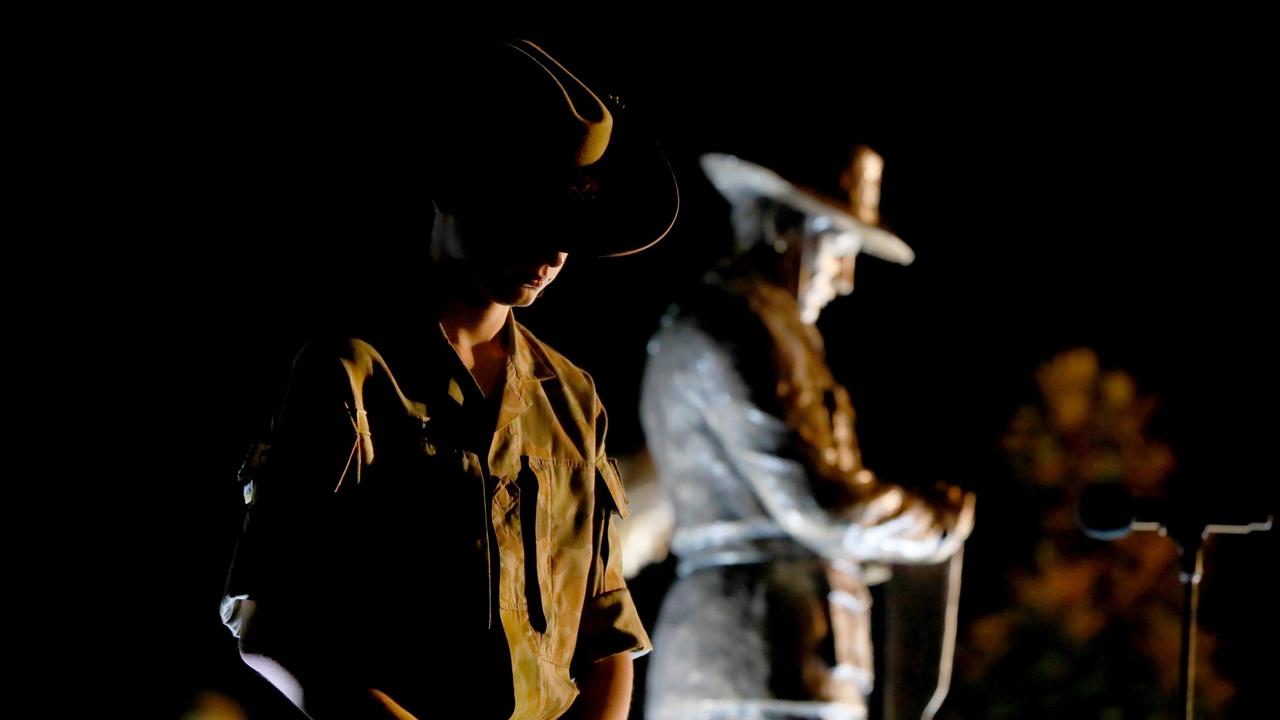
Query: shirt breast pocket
x=554 y=525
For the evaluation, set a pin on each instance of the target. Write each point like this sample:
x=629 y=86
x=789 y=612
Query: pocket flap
x=607 y=472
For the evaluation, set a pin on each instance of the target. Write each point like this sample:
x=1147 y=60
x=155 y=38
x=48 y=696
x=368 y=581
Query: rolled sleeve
x=610 y=623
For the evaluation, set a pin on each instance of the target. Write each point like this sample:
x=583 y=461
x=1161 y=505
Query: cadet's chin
x=517 y=296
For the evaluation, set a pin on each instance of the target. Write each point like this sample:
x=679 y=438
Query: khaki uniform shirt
x=413 y=541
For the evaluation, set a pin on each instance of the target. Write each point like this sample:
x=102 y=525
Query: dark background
x=1109 y=188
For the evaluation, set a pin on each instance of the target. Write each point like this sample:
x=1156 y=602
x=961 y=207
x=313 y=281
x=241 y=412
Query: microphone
x=1107 y=511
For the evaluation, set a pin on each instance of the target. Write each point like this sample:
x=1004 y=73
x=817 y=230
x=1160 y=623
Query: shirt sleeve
x=288 y=479
x=610 y=623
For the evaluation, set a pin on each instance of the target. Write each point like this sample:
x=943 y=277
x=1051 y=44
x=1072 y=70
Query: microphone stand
x=1191 y=565
x=1189 y=540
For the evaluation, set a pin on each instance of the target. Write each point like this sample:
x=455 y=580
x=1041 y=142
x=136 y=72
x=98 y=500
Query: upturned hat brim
x=741 y=181
x=502 y=146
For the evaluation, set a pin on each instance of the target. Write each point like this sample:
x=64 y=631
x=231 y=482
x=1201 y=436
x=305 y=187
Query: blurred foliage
x=1087 y=629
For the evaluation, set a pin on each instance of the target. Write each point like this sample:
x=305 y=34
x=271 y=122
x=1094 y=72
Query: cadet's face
x=518 y=279
x=510 y=259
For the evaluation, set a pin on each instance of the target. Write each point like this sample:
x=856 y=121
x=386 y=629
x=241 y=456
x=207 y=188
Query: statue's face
x=827 y=266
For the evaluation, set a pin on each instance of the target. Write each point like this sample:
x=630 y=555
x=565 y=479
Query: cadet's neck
x=475 y=333
x=470 y=325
